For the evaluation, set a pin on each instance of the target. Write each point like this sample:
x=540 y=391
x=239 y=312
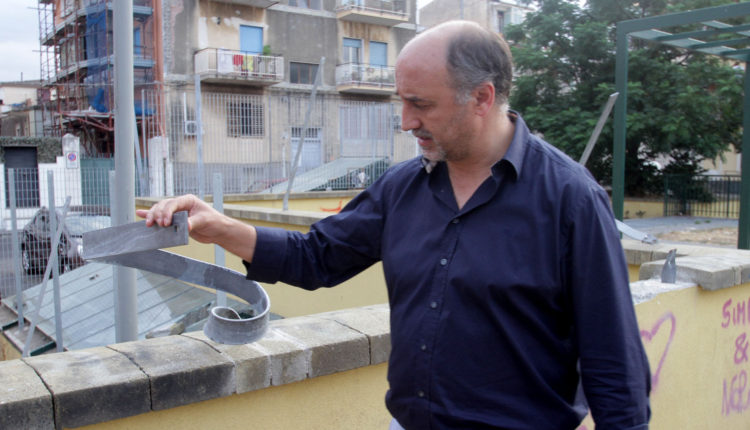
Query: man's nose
x=409 y=121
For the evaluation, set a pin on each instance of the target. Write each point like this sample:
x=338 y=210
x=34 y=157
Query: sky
x=19 y=40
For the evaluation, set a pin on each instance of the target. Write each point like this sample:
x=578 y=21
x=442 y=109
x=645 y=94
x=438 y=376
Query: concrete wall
x=179 y=31
x=327 y=370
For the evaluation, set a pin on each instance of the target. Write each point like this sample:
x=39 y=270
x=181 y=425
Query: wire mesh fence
x=184 y=138
x=26 y=216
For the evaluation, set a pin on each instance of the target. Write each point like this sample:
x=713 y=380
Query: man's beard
x=434 y=154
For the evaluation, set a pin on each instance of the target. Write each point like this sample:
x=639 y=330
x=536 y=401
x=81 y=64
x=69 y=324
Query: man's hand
x=205 y=224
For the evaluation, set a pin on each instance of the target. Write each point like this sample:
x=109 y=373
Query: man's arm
x=614 y=366
x=205 y=224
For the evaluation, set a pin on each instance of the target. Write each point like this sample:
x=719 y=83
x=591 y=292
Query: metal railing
x=225 y=63
x=702 y=195
x=366 y=75
x=376 y=6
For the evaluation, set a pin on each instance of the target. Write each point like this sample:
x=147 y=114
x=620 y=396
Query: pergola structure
x=705 y=33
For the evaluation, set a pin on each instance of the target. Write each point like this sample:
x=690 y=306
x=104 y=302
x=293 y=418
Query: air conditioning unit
x=191 y=128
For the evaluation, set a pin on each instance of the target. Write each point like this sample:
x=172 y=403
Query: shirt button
x=423 y=347
x=455 y=221
x=420 y=393
x=433 y=305
x=443 y=261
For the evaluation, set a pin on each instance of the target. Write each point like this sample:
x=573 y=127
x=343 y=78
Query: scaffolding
x=76 y=68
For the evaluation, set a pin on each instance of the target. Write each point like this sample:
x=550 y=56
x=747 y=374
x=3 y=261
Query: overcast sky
x=19 y=40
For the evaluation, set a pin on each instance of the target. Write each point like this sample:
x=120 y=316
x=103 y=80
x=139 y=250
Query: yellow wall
x=697 y=346
x=7 y=350
x=346 y=400
x=643 y=208
x=329 y=205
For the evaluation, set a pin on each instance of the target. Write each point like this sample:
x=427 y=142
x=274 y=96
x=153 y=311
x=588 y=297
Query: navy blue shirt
x=494 y=306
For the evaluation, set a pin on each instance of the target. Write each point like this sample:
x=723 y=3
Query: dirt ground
x=725 y=236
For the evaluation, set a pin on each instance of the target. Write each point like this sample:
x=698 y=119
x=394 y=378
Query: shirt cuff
x=268 y=258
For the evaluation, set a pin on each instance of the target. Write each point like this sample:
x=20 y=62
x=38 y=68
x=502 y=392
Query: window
x=251 y=39
x=302 y=73
x=244 y=119
x=500 y=21
x=307 y=4
x=352 y=51
x=378 y=54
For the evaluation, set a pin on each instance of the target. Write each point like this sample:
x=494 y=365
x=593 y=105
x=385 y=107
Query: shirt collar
x=514 y=154
x=517 y=148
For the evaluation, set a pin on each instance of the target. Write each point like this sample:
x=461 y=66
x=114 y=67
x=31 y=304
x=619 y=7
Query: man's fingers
x=161 y=213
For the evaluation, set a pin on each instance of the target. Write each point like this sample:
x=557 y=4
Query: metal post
x=42 y=291
x=53 y=259
x=618 y=150
x=219 y=253
x=15 y=245
x=743 y=241
x=126 y=315
x=298 y=154
x=199 y=136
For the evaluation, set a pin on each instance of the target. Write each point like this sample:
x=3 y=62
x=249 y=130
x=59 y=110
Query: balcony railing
x=365 y=78
x=224 y=64
x=380 y=12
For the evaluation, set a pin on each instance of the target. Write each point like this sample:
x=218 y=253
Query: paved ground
x=687 y=229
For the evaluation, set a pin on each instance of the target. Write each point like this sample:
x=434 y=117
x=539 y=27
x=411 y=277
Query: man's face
x=442 y=126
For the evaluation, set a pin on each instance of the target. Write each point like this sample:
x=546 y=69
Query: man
x=503 y=264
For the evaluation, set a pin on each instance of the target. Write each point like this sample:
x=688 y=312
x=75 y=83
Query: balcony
x=263 y=4
x=356 y=78
x=379 y=12
x=225 y=66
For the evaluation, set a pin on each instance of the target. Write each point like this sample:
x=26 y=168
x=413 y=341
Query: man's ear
x=484 y=95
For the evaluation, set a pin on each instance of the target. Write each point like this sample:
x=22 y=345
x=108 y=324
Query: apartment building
x=257 y=62
x=493 y=15
x=226 y=86
x=19 y=113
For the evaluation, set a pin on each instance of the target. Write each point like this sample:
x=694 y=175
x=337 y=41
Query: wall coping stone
x=25 y=401
x=92 y=385
x=711 y=268
x=180 y=370
x=83 y=387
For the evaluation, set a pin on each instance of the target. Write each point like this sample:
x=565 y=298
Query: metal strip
x=133 y=237
x=135 y=245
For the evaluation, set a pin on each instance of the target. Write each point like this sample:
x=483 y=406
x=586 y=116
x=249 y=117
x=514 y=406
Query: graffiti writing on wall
x=736 y=392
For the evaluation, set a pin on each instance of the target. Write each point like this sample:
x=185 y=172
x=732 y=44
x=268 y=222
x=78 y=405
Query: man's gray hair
x=476 y=56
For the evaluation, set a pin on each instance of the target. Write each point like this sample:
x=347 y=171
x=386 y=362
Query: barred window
x=244 y=119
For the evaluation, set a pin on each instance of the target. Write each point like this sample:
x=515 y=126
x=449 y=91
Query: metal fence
x=25 y=213
x=252 y=139
x=702 y=195
x=249 y=139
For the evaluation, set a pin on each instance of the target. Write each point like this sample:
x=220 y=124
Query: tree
x=681 y=105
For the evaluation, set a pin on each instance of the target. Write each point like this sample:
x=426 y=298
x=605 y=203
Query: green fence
x=716 y=196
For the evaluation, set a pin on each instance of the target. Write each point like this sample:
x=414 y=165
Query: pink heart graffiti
x=647 y=335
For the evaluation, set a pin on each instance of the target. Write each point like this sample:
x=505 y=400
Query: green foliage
x=681 y=105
